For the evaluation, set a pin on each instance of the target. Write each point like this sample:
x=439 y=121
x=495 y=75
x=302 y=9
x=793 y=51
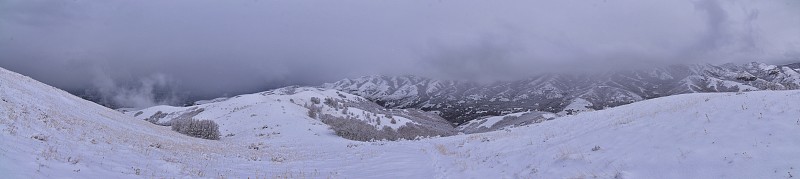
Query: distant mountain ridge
x=460 y=101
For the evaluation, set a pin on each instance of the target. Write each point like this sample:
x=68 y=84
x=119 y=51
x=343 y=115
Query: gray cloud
x=148 y=91
x=207 y=48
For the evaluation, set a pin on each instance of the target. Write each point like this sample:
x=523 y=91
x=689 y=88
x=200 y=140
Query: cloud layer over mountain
x=211 y=48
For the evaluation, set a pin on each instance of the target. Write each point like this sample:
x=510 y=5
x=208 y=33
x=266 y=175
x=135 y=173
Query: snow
x=716 y=83
x=475 y=97
x=490 y=121
x=723 y=135
x=660 y=74
x=765 y=67
x=521 y=97
x=388 y=87
x=792 y=74
x=549 y=116
x=210 y=101
x=576 y=106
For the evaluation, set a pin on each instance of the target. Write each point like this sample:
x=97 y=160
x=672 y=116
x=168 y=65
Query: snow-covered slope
x=47 y=133
x=268 y=110
x=494 y=123
x=727 y=135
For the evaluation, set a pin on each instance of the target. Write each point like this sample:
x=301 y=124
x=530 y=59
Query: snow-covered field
x=48 y=133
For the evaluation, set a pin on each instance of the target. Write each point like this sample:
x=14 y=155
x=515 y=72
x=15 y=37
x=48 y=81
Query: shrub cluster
x=355 y=129
x=336 y=104
x=315 y=100
x=205 y=129
x=313 y=110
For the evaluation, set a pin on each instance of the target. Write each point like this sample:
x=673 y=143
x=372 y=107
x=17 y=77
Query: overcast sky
x=213 y=47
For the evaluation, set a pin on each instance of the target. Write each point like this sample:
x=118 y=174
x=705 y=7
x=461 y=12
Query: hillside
x=48 y=133
x=268 y=110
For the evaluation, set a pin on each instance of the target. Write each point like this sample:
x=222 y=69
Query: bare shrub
x=40 y=137
x=277 y=159
x=596 y=148
x=390 y=133
x=330 y=102
x=334 y=103
x=312 y=113
x=254 y=146
x=73 y=160
x=355 y=129
x=156 y=145
x=352 y=129
x=205 y=129
x=442 y=149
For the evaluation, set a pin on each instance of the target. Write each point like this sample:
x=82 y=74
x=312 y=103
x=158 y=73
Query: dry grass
x=442 y=149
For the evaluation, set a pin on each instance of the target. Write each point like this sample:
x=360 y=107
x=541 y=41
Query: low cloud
x=156 y=89
x=209 y=48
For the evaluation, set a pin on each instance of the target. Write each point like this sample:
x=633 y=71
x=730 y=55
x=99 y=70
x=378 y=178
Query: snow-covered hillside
x=48 y=133
x=270 y=110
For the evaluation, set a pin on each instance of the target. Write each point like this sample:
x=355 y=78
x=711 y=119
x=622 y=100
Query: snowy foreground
x=48 y=133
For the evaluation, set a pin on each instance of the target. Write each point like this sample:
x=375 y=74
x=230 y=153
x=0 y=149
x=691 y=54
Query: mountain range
x=565 y=93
